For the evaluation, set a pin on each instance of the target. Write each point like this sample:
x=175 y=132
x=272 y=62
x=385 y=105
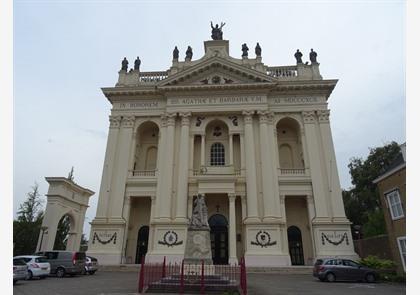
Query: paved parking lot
x=124 y=283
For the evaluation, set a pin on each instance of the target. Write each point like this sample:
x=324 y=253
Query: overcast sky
x=64 y=51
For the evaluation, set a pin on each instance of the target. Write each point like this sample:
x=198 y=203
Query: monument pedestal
x=198 y=246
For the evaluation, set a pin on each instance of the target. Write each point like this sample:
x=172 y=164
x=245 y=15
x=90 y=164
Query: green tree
x=361 y=202
x=27 y=226
x=62 y=234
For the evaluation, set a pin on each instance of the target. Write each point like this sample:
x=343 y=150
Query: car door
x=352 y=270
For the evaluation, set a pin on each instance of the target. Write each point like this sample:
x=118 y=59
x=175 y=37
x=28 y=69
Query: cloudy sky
x=64 y=51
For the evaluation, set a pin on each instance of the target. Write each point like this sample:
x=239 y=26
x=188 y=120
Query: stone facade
x=254 y=139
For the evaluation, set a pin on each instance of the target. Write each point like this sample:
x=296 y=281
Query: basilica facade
x=254 y=139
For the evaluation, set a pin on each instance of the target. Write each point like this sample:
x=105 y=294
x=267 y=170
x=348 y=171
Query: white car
x=38 y=266
x=20 y=269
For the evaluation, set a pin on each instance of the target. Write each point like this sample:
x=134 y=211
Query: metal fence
x=192 y=278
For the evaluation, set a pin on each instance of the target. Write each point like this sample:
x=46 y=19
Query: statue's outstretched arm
x=222 y=24
x=211 y=24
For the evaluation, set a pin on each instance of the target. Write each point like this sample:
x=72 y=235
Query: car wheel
x=330 y=277
x=322 y=280
x=60 y=272
x=43 y=277
x=29 y=275
x=92 y=272
x=83 y=271
x=370 y=278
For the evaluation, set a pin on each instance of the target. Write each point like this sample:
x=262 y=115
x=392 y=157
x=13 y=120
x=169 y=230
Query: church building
x=254 y=139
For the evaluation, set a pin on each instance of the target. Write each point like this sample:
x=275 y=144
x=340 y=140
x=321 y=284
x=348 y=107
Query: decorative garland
x=324 y=237
x=261 y=241
x=170 y=239
x=96 y=237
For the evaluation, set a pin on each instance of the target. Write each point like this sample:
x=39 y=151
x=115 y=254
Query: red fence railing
x=187 y=277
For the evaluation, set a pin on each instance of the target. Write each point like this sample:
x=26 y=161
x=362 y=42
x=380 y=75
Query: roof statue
x=244 y=50
x=188 y=53
x=137 y=63
x=298 y=56
x=312 y=56
x=175 y=53
x=216 y=32
x=124 y=65
x=258 y=50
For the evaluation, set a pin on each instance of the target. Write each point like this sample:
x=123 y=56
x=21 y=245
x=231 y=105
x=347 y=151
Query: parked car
x=20 y=269
x=38 y=266
x=91 y=265
x=65 y=262
x=332 y=269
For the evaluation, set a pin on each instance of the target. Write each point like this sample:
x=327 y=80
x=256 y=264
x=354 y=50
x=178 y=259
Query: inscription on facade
x=295 y=100
x=216 y=100
x=144 y=105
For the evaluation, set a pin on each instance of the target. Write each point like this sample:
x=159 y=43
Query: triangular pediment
x=216 y=71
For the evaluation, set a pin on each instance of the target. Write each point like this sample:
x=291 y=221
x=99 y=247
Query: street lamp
x=44 y=229
x=357 y=230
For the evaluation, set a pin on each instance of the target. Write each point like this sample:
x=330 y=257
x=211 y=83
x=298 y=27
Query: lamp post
x=44 y=229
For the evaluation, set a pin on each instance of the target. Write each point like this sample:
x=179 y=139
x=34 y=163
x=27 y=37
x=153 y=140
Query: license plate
x=44 y=268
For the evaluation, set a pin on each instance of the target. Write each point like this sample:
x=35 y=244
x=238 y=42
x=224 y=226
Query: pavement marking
x=362 y=286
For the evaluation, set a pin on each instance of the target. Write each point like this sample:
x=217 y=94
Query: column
x=182 y=188
x=317 y=176
x=203 y=150
x=190 y=205
x=126 y=217
x=272 y=140
x=166 y=192
x=160 y=200
x=241 y=139
x=231 y=149
x=251 y=177
x=243 y=206
x=331 y=165
x=111 y=146
x=267 y=170
x=305 y=151
x=191 y=160
x=283 y=207
x=121 y=167
x=232 y=230
x=311 y=215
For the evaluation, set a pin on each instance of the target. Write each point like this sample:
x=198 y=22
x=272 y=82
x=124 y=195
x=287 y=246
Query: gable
x=216 y=71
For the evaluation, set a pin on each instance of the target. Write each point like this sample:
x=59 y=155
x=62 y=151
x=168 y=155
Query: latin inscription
x=295 y=100
x=216 y=100
x=145 y=105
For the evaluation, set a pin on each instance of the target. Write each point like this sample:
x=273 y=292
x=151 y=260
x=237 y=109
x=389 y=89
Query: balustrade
x=292 y=171
x=282 y=72
x=153 y=77
x=142 y=173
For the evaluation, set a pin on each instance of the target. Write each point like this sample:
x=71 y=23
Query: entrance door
x=142 y=242
x=219 y=239
x=295 y=245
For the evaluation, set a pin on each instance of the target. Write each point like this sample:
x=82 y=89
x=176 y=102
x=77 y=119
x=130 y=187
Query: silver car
x=20 y=269
x=38 y=266
x=332 y=269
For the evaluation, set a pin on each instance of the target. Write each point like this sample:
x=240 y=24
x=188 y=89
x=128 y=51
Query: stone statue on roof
x=137 y=63
x=312 y=56
x=258 y=50
x=244 y=50
x=216 y=32
x=298 y=56
x=124 y=65
x=189 y=53
x=175 y=53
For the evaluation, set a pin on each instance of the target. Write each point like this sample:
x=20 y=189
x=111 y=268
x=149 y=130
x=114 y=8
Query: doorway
x=219 y=239
x=142 y=242
x=294 y=237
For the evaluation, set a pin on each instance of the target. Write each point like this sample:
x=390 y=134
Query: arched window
x=217 y=154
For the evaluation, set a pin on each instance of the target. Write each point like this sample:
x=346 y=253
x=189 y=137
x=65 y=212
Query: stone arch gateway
x=64 y=197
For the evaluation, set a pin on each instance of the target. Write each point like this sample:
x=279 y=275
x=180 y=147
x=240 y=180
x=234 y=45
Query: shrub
x=377 y=263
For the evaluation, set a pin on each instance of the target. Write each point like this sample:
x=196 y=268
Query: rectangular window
x=401 y=247
x=395 y=206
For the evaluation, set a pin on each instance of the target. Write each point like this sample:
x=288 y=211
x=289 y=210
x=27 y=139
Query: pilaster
x=232 y=230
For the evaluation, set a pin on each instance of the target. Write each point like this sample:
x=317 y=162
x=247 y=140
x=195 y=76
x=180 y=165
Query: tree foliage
x=361 y=202
x=62 y=235
x=27 y=226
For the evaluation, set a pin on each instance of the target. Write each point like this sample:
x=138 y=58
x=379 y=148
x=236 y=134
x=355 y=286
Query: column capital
x=248 y=116
x=170 y=119
x=128 y=121
x=308 y=117
x=262 y=116
x=114 y=121
x=185 y=118
x=323 y=116
x=232 y=197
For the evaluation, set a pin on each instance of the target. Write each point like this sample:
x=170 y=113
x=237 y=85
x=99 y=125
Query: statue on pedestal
x=137 y=63
x=189 y=53
x=312 y=56
x=175 y=53
x=244 y=50
x=199 y=215
x=258 y=50
x=124 y=65
x=216 y=32
x=298 y=56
